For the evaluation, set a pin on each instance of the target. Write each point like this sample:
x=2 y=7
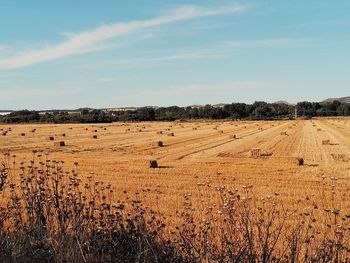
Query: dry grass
x=196 y=162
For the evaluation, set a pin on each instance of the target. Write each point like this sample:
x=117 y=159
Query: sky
x=114 y=53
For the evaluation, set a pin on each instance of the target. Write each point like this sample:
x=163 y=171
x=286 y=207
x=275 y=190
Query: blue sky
x=113 y=53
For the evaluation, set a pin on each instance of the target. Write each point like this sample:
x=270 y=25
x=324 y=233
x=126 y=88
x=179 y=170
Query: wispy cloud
x=32 y=93
x=195 y=89
x=95 y=39
x=275 y=42
x=4 y=49
x=140 y=62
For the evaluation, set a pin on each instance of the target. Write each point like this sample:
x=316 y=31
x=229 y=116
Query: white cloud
x=193 y=89
x=95 y=39
x=276 y=42
x=139 y=62
x=32 y=93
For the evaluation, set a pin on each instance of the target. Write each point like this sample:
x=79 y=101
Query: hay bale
x=319 y=129
x=233 y=136
x=63 y=134
x=221 y=131
x=153 y=164
x=194 y=128
x=60 y=143
x=95 y=130
x=283 y=133
x=255 y=153
x=160 y=143
x=23 y=134
x=51 y=138
x=94 y=136
x=4 y=133
x=171 y=134
x=300 y=161
x=326 y=142
x=159 y=132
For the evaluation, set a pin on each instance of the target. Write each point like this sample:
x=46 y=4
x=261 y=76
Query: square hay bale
x=233 y=136
x=319 y=129
x=326 y=142
x=160 y=143
x=33 y=130
x=60 y=143
x=171 y=134
x=95 y=130
x=23 y=134
x=194 y=128
x=51 y=138
x=159 y=132
x=94 y=136
x=255 y=153
x=220 y=131
x=283 y=133
x=153 y=164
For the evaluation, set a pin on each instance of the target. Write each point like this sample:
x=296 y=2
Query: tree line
x=257 y=111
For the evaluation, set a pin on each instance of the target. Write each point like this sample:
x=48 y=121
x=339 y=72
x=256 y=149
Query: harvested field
x=198 y=155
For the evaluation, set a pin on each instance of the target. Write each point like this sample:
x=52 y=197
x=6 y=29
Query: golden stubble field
x=203 y=153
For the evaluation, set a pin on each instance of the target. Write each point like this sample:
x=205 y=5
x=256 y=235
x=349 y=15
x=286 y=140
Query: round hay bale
x=153 y=164
x=63 y=134
x=160 y=144
x=300 y=161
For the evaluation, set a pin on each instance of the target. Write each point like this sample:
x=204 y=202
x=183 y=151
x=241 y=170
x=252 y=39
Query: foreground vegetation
x=255 y=111
x=49 y=214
